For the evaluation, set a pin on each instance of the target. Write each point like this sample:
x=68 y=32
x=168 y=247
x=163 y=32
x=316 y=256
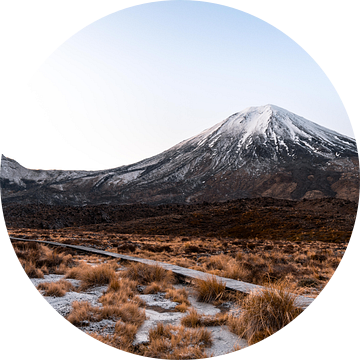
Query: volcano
x=263 y=151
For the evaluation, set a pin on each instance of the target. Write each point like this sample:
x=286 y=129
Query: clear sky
x=139 y=81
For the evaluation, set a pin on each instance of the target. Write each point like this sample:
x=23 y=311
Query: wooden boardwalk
x=241 y=286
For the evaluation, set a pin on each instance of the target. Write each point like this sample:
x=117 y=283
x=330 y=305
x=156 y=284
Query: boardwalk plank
x=231 y=284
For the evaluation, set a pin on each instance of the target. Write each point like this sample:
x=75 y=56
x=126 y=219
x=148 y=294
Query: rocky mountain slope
x=261 y=151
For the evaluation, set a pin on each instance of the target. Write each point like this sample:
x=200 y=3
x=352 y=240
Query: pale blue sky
x=141 y=80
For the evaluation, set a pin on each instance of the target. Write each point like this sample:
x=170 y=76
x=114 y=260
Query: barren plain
x=290 y=247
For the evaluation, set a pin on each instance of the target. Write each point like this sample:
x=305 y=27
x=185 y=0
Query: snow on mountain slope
x=260 y=151
x=279 y=130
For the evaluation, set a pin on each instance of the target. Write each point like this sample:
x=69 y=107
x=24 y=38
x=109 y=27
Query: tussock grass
x=177 y=342
x=178 y=295
x=147 y=274
x=181 y=307
x=193 y=319
x=38 y=260
x=264 y=312
x=119 y=288
x=210 y=290
x=31 y=270
x=58 y=288
x=84 y=311
x=90 y=276
x=155 y=287
x=127 y=332
x=131 y=313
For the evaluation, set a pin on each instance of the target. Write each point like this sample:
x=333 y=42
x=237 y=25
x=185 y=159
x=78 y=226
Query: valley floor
x=288 y=247
x=306 y=265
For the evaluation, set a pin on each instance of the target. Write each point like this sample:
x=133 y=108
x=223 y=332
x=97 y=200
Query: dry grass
x=82 y=311
x=126 y=332
x=252 y=260
x=128 y=313
x=193 y=319
x=103 y=274
x=119 y=291
x=181 y=307
x=264 y=312
x=178 y=295
x=122 y=338
x=59 y=288
x=147 y=274
x=156 y=287
x=121 y=304
x=31 y=270
x=210 y=290
x=38 y=260
x=177 y=342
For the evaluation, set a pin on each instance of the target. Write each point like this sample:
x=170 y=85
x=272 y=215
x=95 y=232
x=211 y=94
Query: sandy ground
x=158 y=309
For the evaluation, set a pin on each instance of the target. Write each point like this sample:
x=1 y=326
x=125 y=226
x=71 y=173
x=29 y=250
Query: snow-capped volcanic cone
x=260 y=151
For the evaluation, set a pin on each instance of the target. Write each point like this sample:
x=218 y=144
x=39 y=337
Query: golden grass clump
x=178 y=295
x=120 y=291
x=39 y=259
x=31 y=270
x=155 y=287
x=122 y=338
x=181 y=307
x=58 y=288
x=264 y=312
x=147 y=274
x=177 y=342
x=102 y=274
x=210 y=290
x=127 y=312
x=82 y=311
x=127 y=332
x=193 y=319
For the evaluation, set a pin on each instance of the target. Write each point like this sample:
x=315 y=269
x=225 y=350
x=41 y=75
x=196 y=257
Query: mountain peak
x=262 y=133
x=260 y=151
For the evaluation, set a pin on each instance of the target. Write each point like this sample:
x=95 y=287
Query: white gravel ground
x=161 y=310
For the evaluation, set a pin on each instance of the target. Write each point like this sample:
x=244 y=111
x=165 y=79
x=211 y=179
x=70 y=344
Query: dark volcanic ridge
x=262 y=151
x=330 y=220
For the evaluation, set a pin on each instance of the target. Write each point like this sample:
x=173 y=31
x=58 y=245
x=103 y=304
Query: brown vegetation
x=193 y=319
x=264 y=312
x=294 y=245
x=177 y=342
x=210 y=290
x=147 y=274
x=58 y=288
x=89 y=275
x=38 y=259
